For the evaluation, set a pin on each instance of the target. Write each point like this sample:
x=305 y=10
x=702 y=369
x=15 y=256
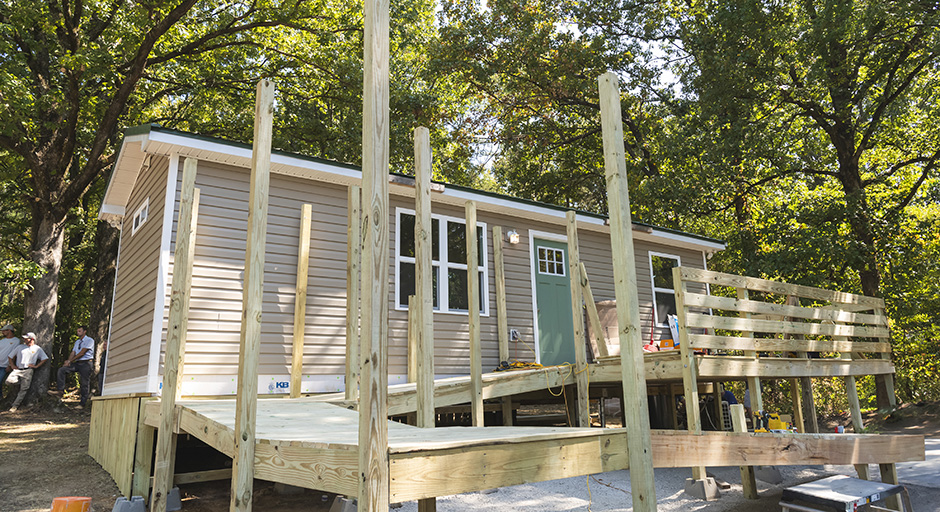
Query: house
x=143 y=198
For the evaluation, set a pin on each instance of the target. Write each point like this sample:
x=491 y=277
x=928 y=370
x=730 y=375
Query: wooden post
x=424 y=291
x=809 y=406
x=300 y=300
x=502 y=321
x=143 y=454
x=246 y=401
x=473 y=298
x=413 y=319
x=373 y=389
x=424 y=280
x=353 y=253
x=748 y=480
x=889 y=475
x=716 y=390
x=797 y=399
x=599 y=339
x=757 y=403
x=693 y=416
x=628 y=309
x=855 y=408
x=577 y=317
x=176 y=335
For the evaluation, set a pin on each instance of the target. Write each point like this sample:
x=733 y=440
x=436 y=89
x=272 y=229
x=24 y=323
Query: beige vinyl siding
x=216 y=299
x=135 y=287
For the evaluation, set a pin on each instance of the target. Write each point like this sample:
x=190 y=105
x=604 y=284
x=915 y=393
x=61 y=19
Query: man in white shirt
x=24 y=359
x=80 y=360
x=7 y=343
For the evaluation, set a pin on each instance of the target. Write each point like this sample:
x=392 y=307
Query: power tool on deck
x=770 y=422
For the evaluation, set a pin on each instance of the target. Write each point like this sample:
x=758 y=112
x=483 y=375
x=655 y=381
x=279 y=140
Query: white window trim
x=443 y=265
x=653 y=282
x=145 y=206
x=564 y=263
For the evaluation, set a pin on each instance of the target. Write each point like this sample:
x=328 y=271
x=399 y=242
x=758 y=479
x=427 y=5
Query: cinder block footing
x=136 y=504
x=343 y=504
x=705 y=489
x=769 y=474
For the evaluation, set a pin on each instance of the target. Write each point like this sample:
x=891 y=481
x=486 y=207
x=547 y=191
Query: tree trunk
x=39 y=308
x=106 y=241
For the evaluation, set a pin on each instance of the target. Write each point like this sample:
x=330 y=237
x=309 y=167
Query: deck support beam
x=600 y=341
x=748 y=480
x=353 y=267
x=628 y=308
x=502 y=321
x=473 y=304
x=300 y=301
x=176 y=336
x=577 y=317
x=243 y=468
x=373 y=389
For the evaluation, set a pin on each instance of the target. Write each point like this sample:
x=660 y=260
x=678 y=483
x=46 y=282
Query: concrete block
x=705 y=489
x=173 y=502
x=136 y=504
x=343 y=504
x=769 y=474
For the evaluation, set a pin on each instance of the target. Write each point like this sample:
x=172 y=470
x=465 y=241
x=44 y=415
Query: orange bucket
x=71 y=504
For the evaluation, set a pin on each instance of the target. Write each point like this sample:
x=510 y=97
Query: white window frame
x=443 y=265
x=140 y=216
x=563 y=263
x=653 y=282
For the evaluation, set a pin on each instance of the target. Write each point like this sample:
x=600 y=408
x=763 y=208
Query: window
x=664 y=296
x=140 y=216
x=448 y=262
x=551 y=261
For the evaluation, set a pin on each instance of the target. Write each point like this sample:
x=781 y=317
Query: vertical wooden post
x=797 y=399
x=143 y=454
x=502 y=321
x=300 y=300
x=424 y=291
x=413 y=327
x=599 y=340
x=373 y=389
x=889 y=475
x=748 y=480
x=628 y=309
x=757 y=403
x=716 y=389
x=473 y=298
x=577 y=317
x=246 y=401
x=693 y=416
x=353 y=253
x=176 y=335
x=809 y=406
x=424 y=279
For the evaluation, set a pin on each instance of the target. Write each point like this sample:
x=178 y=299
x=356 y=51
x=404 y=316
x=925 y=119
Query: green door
x=553 y=300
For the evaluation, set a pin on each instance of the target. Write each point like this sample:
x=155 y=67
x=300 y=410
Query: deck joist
x=315 y=445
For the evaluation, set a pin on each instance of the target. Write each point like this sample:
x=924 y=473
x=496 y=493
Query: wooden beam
x=143 y=455
x=797 y=399
x=373 y=389
x=748 y=480
x=628 y=308
x=353 y=266
x=176 y=334
x=753 y=324
x=424 y=280
x=793 y=310
x=300 y=300
x=250 y=346
x=473 y=298
x=502 y=320
x=711 y=341
x=693 y=416
x=600 y=341
x=577 y=317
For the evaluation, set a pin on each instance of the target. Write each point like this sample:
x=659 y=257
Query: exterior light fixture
x=513 y=236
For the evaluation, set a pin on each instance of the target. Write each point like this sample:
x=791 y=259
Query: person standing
x=25 y=359
x=8 y=342
x=80 y=360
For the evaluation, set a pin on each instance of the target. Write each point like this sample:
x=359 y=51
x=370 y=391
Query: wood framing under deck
x=315 y=445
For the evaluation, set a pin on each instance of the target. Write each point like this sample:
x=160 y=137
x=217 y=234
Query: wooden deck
x=315 y=445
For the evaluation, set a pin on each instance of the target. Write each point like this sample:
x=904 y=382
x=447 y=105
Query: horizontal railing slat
x=774 y=326
x=709 y=341
x=755 y=306
x=777 y=287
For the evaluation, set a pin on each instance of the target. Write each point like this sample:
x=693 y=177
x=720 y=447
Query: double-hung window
x=664 y=296
x=448 y=262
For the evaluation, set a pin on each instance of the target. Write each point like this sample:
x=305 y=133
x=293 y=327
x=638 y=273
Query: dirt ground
x=44 y=454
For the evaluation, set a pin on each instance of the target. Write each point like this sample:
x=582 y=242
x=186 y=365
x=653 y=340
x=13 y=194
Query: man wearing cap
x=24 y=359
x=7 y=343
x=80 y=360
